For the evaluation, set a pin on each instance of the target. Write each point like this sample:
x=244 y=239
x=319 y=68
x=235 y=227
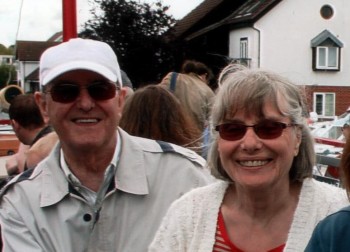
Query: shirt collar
x=114 y=162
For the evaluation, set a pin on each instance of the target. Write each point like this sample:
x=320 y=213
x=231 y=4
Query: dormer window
x=327 y=57
x=326 y=49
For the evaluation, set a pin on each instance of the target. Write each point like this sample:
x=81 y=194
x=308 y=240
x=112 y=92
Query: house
x=27 y=56
x=306 y=43
x=6 y=59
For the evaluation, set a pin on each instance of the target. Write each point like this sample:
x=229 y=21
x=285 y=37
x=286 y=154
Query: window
x=327 y=11
x=326 y=52
x=243 y=54
x=327 y=57
x=324 y=104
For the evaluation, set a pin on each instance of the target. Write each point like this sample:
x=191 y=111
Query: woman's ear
x=298 y=142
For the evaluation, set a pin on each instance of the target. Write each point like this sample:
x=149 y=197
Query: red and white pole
x=69 y=13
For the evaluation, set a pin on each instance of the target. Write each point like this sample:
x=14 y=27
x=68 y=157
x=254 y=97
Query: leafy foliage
x=7 y=74
x=6 y=51
x=135 y=31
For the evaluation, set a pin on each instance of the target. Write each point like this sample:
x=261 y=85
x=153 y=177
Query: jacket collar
x=130 y=175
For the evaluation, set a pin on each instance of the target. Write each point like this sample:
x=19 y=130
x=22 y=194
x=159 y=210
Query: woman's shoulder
x=210 y=194
x=323 y=186
x=324 y=192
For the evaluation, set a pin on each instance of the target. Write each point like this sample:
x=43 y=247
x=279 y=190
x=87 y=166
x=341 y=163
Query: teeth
x=253 y=163
x=86 y=121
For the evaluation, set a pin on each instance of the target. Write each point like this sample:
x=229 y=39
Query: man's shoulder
x=180 y=151
x=13 y=180
x=150 y=147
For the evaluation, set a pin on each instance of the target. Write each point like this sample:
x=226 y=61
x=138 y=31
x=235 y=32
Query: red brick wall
x=342 y=96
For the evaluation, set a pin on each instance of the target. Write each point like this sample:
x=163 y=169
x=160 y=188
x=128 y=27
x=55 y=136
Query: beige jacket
x=41 y=211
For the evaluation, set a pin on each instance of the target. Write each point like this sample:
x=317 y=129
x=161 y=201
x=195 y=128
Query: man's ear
x=15 y=125
x=40 y=100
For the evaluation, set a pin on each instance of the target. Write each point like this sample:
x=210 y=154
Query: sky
x=38 y=20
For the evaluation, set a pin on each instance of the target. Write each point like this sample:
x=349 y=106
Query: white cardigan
x=190 y=223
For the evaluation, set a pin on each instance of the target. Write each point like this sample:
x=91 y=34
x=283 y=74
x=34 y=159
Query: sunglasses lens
x=231 y=131
x=102 y=91
x=269 y=129
x=64 y=93
x=264 y=130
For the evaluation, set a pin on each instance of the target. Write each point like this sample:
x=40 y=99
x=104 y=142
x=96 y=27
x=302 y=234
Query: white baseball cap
x=77 y=54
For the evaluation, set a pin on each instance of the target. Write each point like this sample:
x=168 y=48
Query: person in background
x=201 y=70
x=29 y=126
x=196 y=97
x=263 y=152
x=193 y=93
x=333 y=171
x=346 y=130
x=100 y=189
x=333 y=232
x=40 y=150
x=154 y=112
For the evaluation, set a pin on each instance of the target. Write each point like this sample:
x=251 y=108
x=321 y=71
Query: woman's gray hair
x=249 y=89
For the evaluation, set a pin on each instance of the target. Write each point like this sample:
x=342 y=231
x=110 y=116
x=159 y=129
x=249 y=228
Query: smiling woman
x=263 y=152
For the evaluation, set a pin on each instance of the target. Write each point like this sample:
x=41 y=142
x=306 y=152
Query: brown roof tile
x=239 y=12
x=195 y=15
x=33 y=76
x=32 y=50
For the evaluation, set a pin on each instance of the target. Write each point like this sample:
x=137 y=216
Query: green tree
x=7 y=75
x=5 y=51
x=136 y=32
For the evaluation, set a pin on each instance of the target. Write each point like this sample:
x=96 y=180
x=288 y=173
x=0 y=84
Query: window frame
x=324 y=104
x=327 y=65
x=243 y=48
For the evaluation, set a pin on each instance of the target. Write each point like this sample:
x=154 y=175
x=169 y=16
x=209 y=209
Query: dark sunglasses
x=264 y=130
x=99 y=91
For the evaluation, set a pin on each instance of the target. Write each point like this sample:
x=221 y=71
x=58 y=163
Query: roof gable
x=323 y=36
x=222 y=12
x=195 y=16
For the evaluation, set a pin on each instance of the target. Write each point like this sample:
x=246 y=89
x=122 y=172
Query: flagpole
x=69 y=13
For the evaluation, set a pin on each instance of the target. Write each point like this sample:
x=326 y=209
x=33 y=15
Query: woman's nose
x=250 y=140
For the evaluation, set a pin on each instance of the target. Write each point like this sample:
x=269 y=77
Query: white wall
x=286 y=32
x=253 y=44
x=26 y=68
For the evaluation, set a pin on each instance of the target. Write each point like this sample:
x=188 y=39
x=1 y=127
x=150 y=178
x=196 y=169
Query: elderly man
x=100 y=189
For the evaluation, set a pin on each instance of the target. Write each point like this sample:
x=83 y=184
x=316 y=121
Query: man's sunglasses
x=99 y=91
x=264 y=130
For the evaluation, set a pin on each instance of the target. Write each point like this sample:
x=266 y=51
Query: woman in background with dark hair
x=200 y=69
x=153 y=112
